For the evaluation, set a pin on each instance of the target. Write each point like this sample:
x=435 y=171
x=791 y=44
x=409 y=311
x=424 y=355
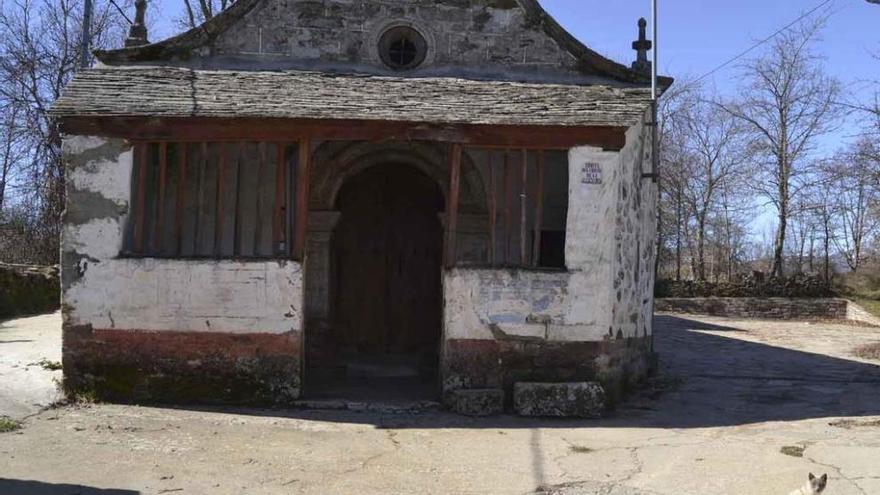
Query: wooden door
x=387 y=253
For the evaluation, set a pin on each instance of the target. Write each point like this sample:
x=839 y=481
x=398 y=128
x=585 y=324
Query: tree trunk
x=779 y=244
x=701 y=247
x=678 y=220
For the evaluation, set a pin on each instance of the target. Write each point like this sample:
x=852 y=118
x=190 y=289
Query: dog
x=814 y=486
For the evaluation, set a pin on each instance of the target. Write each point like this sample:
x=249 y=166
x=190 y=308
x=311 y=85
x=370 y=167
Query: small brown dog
x=814 y=486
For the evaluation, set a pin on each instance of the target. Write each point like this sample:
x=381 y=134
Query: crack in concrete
x=836 y=469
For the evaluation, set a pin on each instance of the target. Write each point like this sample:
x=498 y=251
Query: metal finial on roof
x=641 y=46
x=137 y=34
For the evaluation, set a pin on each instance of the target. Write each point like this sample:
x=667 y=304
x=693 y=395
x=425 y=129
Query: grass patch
x=579 y=449
x=868 y=351
x=871 y=305
x=48 y=365
x=848 y=424
x=8 y=424
x=793 y=450
x=83 y=397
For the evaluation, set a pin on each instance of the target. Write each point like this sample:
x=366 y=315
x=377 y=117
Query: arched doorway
x=386 y=292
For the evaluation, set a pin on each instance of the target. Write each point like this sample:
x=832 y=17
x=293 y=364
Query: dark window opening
x=402 y=51
x=214 y=200
x=402 y=47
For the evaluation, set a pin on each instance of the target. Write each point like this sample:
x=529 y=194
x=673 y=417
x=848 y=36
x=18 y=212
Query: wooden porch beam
x=273 y=129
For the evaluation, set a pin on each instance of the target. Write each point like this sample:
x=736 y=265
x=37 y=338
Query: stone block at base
x=563 y=400
x=476 y=402
x=140 y=366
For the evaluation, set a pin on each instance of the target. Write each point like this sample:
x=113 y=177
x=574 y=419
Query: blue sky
x=696 y=36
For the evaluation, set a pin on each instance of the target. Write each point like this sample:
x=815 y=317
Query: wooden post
x=236 y=233
x=452 y=209
x=141 y=157
x=493 y=206
x=539 y=211
x=219 y=217
x=523 y=204
x=278 y=219
x=508 y=205
x=200 y=198
x=181 y=196
x=160 y=210
x=302 y=199
x=258 y=220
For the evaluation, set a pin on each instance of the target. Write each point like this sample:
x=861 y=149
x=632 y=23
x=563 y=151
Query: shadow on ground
x=28 y=487
x=718 y=381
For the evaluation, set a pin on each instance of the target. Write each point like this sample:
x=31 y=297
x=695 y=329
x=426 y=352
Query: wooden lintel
x=274 y=129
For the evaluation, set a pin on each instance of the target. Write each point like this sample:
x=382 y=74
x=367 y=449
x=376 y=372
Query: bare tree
x=10 y=165
x=672 y=217
x=714 y=159
x=788 y=102
x=40 y=43
x=199 y=11
x=856 y=197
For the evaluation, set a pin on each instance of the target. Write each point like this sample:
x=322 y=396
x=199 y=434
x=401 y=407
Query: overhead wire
x=761 y=42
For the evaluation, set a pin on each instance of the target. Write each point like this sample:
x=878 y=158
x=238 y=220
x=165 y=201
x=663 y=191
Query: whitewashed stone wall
x=606 y=291
x=106 y=291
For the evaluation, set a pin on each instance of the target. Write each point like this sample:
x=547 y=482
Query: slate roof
x=177 y=92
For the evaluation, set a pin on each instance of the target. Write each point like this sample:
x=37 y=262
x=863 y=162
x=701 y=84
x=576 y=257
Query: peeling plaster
x=608 y=288
x=103 y=290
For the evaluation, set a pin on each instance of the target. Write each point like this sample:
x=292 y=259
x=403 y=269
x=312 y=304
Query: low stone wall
x=26 y=289
x=782 y=308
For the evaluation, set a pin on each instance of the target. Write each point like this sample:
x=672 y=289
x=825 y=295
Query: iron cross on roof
x=641 y=46
x=137 y=34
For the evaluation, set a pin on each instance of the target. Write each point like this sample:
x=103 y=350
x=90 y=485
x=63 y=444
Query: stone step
x=560 y=400
x=384 y=407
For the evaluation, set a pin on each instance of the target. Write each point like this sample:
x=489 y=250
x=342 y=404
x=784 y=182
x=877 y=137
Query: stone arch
x=334 y=163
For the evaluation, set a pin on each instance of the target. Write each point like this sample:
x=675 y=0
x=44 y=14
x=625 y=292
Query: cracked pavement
x=731 y=394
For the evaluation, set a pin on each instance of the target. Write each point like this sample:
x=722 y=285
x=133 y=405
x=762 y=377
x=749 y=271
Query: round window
x=402 y=47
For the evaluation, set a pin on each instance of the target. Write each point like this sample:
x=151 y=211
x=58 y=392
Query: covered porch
x=429 y=225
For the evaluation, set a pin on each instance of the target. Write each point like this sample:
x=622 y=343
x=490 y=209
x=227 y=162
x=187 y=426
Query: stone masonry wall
x=155 y=329
x=758 y=307
x=481 y=38
x=28 y=289
x=770 y=308
x=635 y=238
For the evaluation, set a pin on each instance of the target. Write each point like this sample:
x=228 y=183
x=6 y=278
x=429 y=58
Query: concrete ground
x=741 y=407
x=29 y=349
